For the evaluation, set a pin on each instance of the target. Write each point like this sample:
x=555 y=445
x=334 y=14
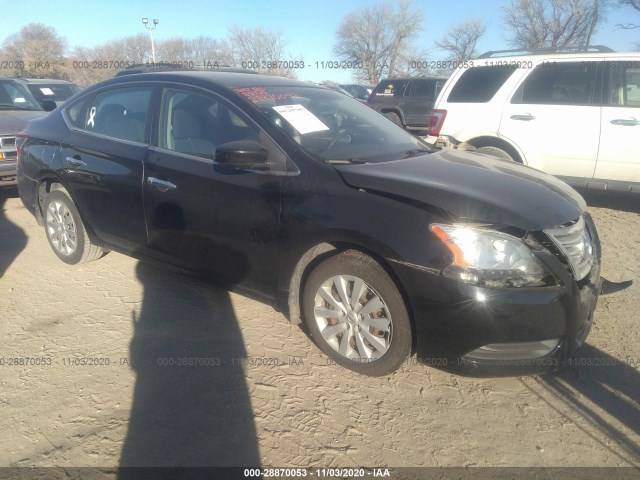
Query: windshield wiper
x=417 y=151
x=345 y=161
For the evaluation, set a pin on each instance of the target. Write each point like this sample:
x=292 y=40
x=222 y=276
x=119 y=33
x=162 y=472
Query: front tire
x=394 y=117
x=356 y=315
x=65 y=232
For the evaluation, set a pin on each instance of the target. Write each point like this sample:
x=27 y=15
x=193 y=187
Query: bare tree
x=175 y=49
x=376 y=40
x=552 y=23
x=202 y=51
x=36 y=51
x=460 y=42
x=90 y=65
x=210 y=52
x=262 y=50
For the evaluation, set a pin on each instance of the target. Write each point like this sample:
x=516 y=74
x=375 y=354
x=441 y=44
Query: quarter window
x=120 y=113
x=559 y=83
x=480 y=84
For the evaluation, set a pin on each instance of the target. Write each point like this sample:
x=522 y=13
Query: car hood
x=12 y=121
x=473 y=187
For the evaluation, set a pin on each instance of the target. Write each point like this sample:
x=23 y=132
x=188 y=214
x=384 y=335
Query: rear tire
x=496 y=152
x=356 y=315
x=394 y=117
x=65 y=232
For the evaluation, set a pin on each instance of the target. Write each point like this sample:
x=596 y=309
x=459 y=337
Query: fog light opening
x=513 y=351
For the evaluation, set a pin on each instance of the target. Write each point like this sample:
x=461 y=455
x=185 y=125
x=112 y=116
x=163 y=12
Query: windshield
x=55 y=92
x=14 y=96
x=333 y=126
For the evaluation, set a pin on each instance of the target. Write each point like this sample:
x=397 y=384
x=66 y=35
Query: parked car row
x=307 y=199
x=574 y=115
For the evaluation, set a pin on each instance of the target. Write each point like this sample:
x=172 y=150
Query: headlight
x=490 y=258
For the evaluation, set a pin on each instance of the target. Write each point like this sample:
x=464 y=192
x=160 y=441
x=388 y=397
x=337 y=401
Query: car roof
x=558 y=56
x=45 y=80
x=225 y=79
x=426 y=77
x=170 y=67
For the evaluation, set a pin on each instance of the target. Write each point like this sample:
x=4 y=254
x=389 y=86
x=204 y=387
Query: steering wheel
x=340 y=135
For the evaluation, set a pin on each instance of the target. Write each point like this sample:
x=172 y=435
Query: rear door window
x=559 y=83
x=118 y=113
x=480 y=84
x=422 y=88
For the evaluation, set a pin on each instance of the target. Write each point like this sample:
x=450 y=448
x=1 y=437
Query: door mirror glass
x=242 y=155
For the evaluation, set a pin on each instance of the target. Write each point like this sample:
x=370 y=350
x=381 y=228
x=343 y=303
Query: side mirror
x=242 y=155
x=48 y=105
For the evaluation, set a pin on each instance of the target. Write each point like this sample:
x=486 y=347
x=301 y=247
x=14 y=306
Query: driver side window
x=196 y=124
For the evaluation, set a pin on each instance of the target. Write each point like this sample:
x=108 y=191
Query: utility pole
x=145 y=22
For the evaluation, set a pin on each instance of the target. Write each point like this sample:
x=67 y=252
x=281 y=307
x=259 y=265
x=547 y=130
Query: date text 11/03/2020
x=337 y=472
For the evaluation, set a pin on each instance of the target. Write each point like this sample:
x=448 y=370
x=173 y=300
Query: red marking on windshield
x=260 y=94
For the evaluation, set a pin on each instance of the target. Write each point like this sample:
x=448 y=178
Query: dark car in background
x=17 y=107
x=309 y=200
x=407 y=102
x=361 y=92
x=44 y=89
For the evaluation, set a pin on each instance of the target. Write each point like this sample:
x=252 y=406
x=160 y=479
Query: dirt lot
x=104 y=394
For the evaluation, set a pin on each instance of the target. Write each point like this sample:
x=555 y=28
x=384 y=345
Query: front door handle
x=525 y=118
x=628 y=122
x=161 y=185
x=75 y=161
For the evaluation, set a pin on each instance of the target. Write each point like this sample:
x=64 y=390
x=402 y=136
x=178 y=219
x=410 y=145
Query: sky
x=308 y=26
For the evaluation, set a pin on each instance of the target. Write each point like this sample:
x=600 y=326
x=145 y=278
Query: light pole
x=145 y=22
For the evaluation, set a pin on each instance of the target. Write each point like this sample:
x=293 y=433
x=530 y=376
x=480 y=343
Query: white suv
x=574 y=115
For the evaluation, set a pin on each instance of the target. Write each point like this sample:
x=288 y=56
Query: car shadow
x=191 y=405
x=12 y=238
x=626 y=202
x=593 y=377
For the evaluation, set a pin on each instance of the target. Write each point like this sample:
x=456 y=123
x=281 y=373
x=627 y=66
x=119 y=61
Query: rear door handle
x=628 y=122
x=161 y=185
x=526 y=117
x=75 y=161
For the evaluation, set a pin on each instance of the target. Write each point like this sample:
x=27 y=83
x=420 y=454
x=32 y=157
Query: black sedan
x=309 y=200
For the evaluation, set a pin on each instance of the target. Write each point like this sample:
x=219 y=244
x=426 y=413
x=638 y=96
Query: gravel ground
x=267 y=395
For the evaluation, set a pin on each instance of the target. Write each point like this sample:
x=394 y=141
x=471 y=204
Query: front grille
x=576 y=245
x=6 y=142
